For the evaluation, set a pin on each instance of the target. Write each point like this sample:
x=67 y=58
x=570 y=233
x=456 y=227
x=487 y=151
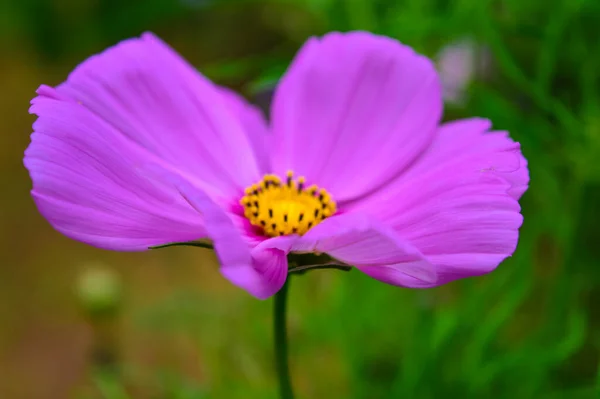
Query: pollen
x=286 y=207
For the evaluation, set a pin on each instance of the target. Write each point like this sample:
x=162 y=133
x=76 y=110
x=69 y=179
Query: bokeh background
x=77 y=322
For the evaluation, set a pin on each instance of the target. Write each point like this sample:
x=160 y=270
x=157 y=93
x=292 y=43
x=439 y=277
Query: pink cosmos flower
x=136 y=149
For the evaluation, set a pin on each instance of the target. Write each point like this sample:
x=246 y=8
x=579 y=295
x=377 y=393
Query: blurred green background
x=77 y=322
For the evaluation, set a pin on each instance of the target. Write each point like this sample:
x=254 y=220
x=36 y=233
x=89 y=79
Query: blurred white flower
x=459 y=63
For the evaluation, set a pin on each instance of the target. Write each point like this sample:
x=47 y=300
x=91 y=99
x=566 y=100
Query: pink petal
x=470 y=138
x=458 y=203
x=353 y=111
x=150 y=95
x=363 y=242
x=87 y=182
x=255 y=126
x=261 y=271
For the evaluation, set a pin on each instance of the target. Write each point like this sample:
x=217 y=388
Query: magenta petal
x=260 y=271
x=519 y=179
x=272 y=266
x=458 y=203
x=255 y=126
x=373 y=248
x=491 y=152
x=353 y=111
x=148 y=93
x=87 y=182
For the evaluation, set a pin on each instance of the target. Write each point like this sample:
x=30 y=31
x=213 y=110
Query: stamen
x=301 y=181
x=289 y=208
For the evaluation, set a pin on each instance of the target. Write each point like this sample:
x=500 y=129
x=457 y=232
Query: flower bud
x=99 y=290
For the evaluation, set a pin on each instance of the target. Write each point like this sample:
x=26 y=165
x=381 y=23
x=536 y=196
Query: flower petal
x=458 y=203
x=255 y=126
x=87 y=182
x=353 y=111
x=361 y=241
x=154 y=98
x=471 y=139
x=260 y=271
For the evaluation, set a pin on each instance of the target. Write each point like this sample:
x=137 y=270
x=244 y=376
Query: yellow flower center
x=281 y=208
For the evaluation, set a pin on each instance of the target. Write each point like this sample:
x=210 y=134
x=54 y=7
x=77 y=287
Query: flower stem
x=281 y=350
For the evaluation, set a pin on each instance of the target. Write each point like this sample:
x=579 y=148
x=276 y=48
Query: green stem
x=305 y=268
x=199 y=244
x=280 y=334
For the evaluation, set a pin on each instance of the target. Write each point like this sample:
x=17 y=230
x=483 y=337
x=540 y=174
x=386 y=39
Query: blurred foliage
x=531 y=329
